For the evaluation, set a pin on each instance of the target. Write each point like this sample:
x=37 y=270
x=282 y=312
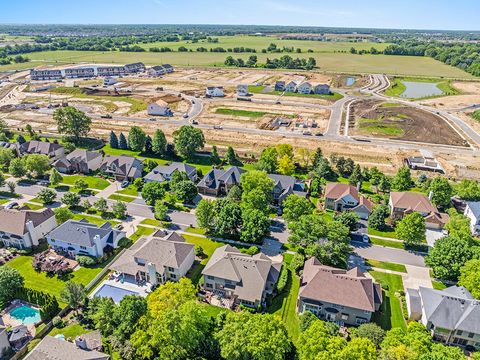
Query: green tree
x=255 y=226
x=70 y=199
x=214 y=157
x=295 y=206
x=122 y=142
x=317 y=157
x=384 y=184
x=356 y=176
x=228 y=219
x=411 y=229
x=268 y=161
x=62 y=214
x=101 y=205
x=46 y=196
x=231 y=157
x=284 y=149
x=136 y=139
x=6 y=156
x=119 y=209
x=80 y=184
x=37 y=164
x=55 y=177
x=468 y=190
x=253 y=336
x=470 y=277
x=188 y=140
x=161 y=210
x=285 y=165
x=235 y=193
x=186 y=191
x=349 y=219
x=371 y=331
x=2 y=179
x=11 y=281
x=204 y=214
x=256 y=199
x=458 y=224
x=257 y=179
x=324 y=170
x=403 y=179
x=153 y=191
x=126 y=315
x=72 y=122
x=376 y=220
x=113 y=142
x=441 y=190
x=159 y=143
x=17 y=168
x=73 y=294
x=11 y=185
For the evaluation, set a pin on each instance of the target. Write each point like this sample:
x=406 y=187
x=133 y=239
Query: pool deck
x=142 y=290
x=9 y=321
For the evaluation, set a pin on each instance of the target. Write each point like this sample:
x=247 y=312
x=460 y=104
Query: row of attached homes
x=302 y=88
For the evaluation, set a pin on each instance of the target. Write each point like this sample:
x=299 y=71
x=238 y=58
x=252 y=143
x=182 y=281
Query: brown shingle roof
x=412 y=201
x=51 y=348
x=13 y=221
x=337 y=286
x=337 y=191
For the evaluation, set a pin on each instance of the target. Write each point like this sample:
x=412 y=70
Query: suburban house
x=346 y=297
x=20 y=336
x=168 y=68
x=214 y=91
x=46 y=74
x=111 y=71
x=56 y=348
x=4 y=343
x=135 y=67
x=79 y=72
x=291 y=87
x=242 y=90
x=217 y=182
x=240 y=278
x=79 y=161
x=122 y=167
x=451 y=315
x=280 y=86
x=107 y=81
x=24 y=228
x=322 y=89
x=157 y=70
x=403 y=203
x=304 y=88
x=472 y=211
x=159 y=108
x=52 y=150
x=83 y=238
x=164 y=256
x=344 y=197
x=164 y=172
x=284 y=185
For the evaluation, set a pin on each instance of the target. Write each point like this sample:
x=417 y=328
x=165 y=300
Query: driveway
x=416 y=277
x=381 y=253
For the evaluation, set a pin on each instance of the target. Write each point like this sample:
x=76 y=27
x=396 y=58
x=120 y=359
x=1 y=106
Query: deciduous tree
x=153 y=191
x=72 y=122
x=119 y=209
x=71 y=199
x=411 y=229
x=159 y=143
x=37 y=164
x=17 y=168
x=55 y=177
x=10 y=282
x=47 y=196
x=188 y=140
x=403 y=179
x=255 y=226
x=62 y=214
x=295 y=206
x=441 y=190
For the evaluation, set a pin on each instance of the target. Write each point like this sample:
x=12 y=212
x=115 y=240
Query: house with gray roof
x=346 y=297
x=83 y=238
x=23 y=228
x=165 y=172
x=240 y=278
x=19 y=337
x=53 y=348
x=122 y=167
x=4 y=343
x=164 y=256
x=135 y=67
x=218 y=182
x=472 y=211
x=284 y=185
x=52 y=150
x=79 y=161
x=451 y=315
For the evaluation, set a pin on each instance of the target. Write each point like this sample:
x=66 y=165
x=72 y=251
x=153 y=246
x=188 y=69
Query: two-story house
x=403 y=203
x=284 y=185
x=52 y=150
x=280 y=85
x=304 y=88
x=111 y=71
x=214 y=91
x=346 y=297
x=322 y=89
x=83 y=238
x=23 y=228
x=240 y=278
x=345 y=197
x=135 y=67
x=451 y=315
x=79 y=72
x=157 y=70
x=122 y=167
x=159 y=108
x=165 y=172
x=79 y=161
x=46 y=74
x=51 y=347
x=291 y=87
x=218 y=182
x=472 y=211
x=164 y=256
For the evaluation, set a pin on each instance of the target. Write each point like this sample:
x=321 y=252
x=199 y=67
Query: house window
x=459 y=332
x=471 y=335
x=360 y=321
x=209 y=277
x=208 y=285
x=173 y=276
x=83 y=247
x=171 y=269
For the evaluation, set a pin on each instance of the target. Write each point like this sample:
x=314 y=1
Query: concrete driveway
x=416 y=277
x=381 y=253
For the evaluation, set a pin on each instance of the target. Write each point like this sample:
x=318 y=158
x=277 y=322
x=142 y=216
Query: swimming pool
x=26 y=315
x=116 y=293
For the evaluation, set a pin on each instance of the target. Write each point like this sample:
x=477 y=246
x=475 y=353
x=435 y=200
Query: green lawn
x=52 y=284
x=388 y=243
x=142 y=231
x=129 y=190
x=390 y=314
x=438 y=285
x=386 y=265
x=377 y=127
x=239 y=112
x=388 y=232
x=208 y=246
x=152 y=222
x=94 y=219
x=194 y=230
x=69 y=331
x=213 y=311
x=92 y=181
x=285 y=304
x=121 y=198
x=33 y=206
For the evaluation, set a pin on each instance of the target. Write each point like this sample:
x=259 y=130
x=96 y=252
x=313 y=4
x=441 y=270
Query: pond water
x=349 y=81
x=417 y=89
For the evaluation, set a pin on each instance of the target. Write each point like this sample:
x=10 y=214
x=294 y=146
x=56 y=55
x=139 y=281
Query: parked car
x=218 y=127
x=44 y=183
x=307 y=133
x=365 y=238
x=106 y=116
x=124 y=184
x=11 y=205
x=195 y=122
x=185 y=115
x=318 y=134
x=152 y=119
x=118 y=227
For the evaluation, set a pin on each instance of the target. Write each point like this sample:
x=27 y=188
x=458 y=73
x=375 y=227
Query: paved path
x=381 y=253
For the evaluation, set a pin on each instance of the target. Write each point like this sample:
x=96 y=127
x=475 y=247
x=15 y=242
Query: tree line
x=285 y=62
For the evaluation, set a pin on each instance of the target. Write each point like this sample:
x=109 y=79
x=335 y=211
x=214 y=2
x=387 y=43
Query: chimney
x=152 y=273
x=81 y=343
x=359 y=185
x=31 y=232
x=430 y=195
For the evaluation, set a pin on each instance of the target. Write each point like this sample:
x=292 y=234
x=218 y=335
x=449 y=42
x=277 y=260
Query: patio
x=52 y=262
x=217 y=298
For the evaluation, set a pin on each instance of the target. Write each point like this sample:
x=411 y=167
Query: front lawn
x=195 y=230
x=387 y=243
x=99 y=221
x=142 y=231
x=93 y=182
x=129 y=190
x=69 y=331
x=386 y=265
x=152 y=222
x=390 y=314
x=121 y=198
x=33 y=206
x=388 y=232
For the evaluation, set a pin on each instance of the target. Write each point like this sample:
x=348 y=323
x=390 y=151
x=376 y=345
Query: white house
x=83 y=238
x=214 y=91
x=24 y=228
x=291 y=87
x=322 y=89
x=159 y=108
x=344 y=197
x=304 y=88
x=109 y=81
x=472 y=211
x=242 y=90
x=157 y=70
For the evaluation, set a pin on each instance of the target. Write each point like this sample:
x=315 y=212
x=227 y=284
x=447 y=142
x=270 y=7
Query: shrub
x=252 y=250
x=85 y=260
x=282 y=279
x=297 y=262
x=57 y=322
x=199 y=251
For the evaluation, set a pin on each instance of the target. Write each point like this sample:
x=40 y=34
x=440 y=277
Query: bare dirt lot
x=377 y=119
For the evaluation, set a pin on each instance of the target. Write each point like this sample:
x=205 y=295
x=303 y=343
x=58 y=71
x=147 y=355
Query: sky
x=398 y=14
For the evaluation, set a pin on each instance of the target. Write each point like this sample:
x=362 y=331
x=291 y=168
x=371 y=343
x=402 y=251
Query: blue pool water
x=26 y=314
x=117 y=294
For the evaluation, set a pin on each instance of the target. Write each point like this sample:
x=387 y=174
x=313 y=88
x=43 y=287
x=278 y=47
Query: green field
x=330 y=57
x=388 y=243
x=378 y=127
x=239 y=112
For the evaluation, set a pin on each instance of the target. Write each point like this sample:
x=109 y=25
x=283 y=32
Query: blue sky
x=405 y=14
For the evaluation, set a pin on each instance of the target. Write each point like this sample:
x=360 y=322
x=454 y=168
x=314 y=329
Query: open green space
x=129 y=190
x=386 y=265
x=387 y=232
x=69 y=331
x=397 y=88
x=152 y=222
x=239 y=112
x=388 y=243
x=121 y=198
x=93 y=182
x=142 y=231
x=196 y=230
x=33 y=206
x=390 y=314
x=97 y=220
x=378 y=127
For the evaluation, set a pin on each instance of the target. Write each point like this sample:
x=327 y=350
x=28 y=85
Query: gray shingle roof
x=215 y=177
x=475 y=207
x=80 y=232
x=158 y=174
x=39 y=147
x=124 y=165
x=51 y=348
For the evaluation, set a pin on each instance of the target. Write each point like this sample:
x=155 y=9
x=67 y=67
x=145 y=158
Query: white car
x=365 y=238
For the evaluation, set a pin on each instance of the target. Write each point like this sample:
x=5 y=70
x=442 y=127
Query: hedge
x=48 y=303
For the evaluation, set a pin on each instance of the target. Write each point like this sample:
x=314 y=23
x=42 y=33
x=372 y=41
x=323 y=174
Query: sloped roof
x=125 y=165
x=158 y=173
x=364 y=202
x=215 y=177
x=474 y=207
x=51 y=348
x=13 y=221
x=80 y=232
x=337 y=286
x=288 y=184
x=338 y=191
x=39 y=147
x=412 y=201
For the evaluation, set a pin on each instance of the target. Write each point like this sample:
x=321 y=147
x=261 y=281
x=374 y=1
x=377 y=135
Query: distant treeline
x=285 y=62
